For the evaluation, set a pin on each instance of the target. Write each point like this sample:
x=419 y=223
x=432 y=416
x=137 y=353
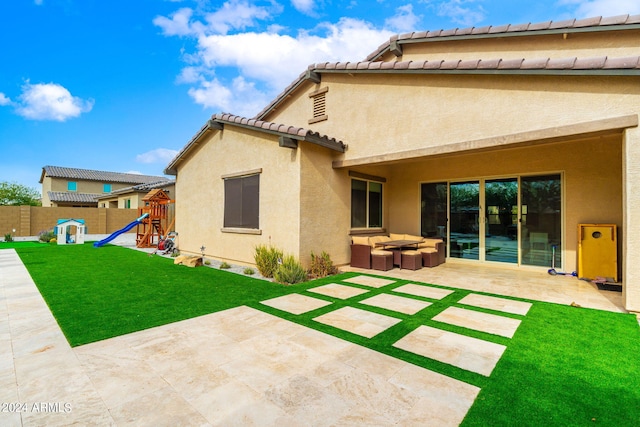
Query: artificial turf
x=564 y=366
x=99 y=293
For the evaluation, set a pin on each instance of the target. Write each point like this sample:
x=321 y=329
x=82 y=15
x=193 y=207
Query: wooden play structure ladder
x=157 y=204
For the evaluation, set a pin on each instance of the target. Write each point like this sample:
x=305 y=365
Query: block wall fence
x=31 y=220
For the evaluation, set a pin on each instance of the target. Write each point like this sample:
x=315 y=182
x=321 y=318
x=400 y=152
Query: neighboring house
x=131 y=197
x=500 y=139
x=73 y=187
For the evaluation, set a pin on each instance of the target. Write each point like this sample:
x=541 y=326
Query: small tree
x=14 y=194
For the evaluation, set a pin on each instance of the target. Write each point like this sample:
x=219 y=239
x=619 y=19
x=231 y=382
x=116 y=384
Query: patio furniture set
x=403 y=250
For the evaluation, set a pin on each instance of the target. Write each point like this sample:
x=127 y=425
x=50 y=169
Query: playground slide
x=119 y=232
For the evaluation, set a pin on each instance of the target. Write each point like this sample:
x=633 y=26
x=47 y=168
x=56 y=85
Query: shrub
x=321 y=265
x=225 y=265
x=175 y=253
x=46 y=236
x=8 y=238
x=54 y=240
x=266 y=259
x=248 y=271
x=290 y=271
x=207 y=262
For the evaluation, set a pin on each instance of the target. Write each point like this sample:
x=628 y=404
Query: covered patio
x=520 y=283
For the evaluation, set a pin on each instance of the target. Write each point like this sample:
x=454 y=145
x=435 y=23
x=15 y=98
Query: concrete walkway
x=237 y=367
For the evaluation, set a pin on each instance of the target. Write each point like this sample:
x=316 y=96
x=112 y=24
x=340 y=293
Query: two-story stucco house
x=500 y=139
x=73 y=187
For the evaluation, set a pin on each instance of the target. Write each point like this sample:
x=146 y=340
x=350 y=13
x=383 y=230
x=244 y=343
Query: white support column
x=631 y=219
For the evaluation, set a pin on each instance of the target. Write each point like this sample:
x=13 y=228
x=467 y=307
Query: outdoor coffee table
x=397 y=246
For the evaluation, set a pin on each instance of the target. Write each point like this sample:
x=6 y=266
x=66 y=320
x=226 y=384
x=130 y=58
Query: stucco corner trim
x=241 y=230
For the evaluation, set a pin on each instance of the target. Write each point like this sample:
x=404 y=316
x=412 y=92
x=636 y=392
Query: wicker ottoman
x=430 y=257
x=381 y=260
x=411 y=260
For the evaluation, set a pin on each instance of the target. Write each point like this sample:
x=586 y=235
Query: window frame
x=73 y=184
x=245 y=217
x=106 y=188
x=368 y=180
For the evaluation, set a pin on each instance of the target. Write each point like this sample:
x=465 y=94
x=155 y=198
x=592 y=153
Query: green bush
x=249 y=271
x=321 y=265
x=46 y=236
x=225 y=265
x=290 y=271
x=8 y=238
x=266 y=258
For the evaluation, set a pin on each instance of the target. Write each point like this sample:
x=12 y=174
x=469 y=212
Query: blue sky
x=123 y=85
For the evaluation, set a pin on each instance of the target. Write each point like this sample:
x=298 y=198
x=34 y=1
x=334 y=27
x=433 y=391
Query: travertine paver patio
x=296 y=303
x=357 y=321
x=396 y=303
x=423 y=291
x=483 y=322
x=495 y=303
x=374 y=282
x=465 y=352
x=236 y=367
x=338 y=291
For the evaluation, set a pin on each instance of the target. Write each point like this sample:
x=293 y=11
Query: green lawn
x=564 y=366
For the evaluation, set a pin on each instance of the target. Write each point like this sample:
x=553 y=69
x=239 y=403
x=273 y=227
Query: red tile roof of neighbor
x=67 y=197
x=94 y=175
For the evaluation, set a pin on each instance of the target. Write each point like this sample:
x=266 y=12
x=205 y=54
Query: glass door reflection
x=501 y=214
x=464 y=220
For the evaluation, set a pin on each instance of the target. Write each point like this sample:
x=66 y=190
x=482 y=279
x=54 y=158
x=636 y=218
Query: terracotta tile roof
x=292 y=132
x=570 y=63
x=69 y=197
x=569 y=25
x=94 y=175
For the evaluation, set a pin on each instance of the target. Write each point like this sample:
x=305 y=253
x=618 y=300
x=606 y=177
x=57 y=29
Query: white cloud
x=591 y=8
x=4 y=100
x=404 y=20
x=304 y=6
x=254 y=55
x=241 y=71
x=463 y=12
x=178 y=24
x=232 y=15
x=38 y=2
x=50 y=101
x=134 y=172
x=159 y=155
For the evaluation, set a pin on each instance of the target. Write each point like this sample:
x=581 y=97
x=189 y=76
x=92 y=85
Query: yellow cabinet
x=597 y=251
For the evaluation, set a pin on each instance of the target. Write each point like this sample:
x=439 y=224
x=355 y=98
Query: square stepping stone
x=373 y=282
x=483 y=322
x=396 y=303
x=338 y=291
x=495 y=303
x=468 y=353
x=356 y=321
x=423 y=291
x=295 y=303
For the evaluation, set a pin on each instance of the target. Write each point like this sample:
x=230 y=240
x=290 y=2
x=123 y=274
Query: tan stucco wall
x=200 y=207
x=585 y=45
x=325 y=203
x=631 y=237
x=433 y=111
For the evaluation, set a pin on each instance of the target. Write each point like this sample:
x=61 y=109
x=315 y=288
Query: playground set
x=153 y=226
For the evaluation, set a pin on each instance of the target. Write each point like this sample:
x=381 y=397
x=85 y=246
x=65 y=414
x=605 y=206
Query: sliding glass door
x=464 y=220
x=501 y=220
x=515 y=220
x=541 y=226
